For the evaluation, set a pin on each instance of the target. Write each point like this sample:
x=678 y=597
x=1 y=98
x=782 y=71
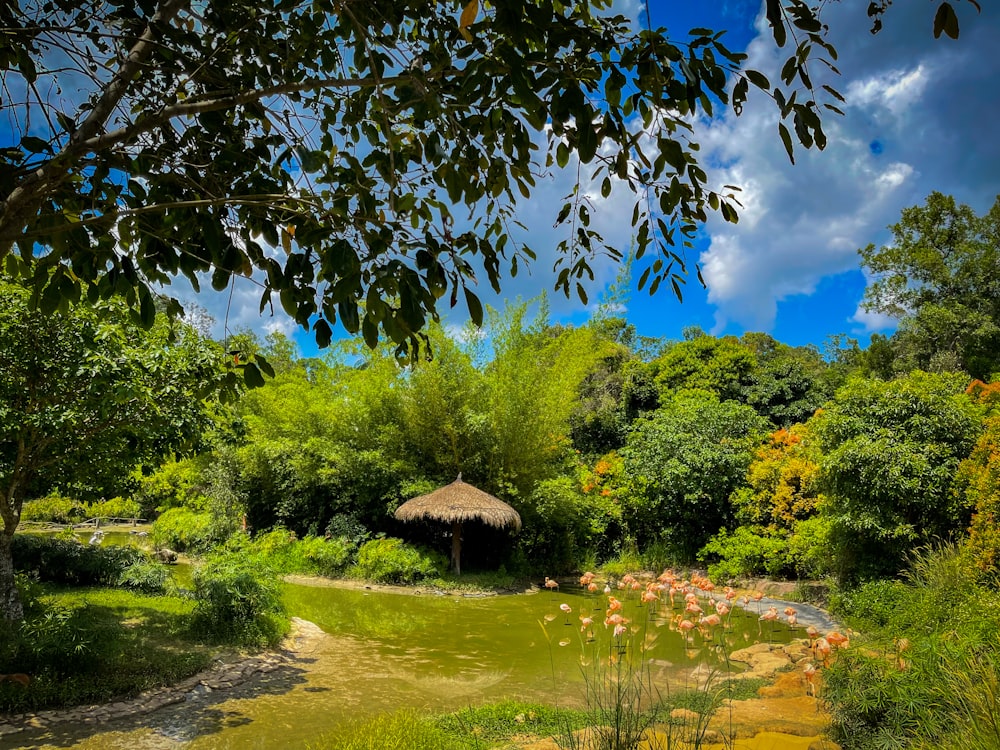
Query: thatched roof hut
x=456 y=503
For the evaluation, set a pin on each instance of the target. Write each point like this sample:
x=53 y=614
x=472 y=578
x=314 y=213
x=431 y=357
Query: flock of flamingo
x=697 y=593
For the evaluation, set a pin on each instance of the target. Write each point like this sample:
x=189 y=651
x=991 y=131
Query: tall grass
x=928 y=672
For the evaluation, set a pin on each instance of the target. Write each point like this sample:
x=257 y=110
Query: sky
x=920 y=116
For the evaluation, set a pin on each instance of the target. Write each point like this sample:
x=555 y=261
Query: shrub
x=324 y=556
x=67 y=561
x=349 y=528
x=116 y=507
x=237 y=601
x=183 y=530
x=744 y=553
x=144 y=575
x=54 y=509
x=929 y=640
x=280 y=551
x=393 y=561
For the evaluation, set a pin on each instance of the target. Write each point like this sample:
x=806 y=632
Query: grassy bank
x=93 y=645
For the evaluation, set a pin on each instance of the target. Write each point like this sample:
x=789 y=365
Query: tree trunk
x=10 y=604
x=456 y=546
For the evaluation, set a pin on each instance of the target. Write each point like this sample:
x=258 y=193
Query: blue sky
x=921 y=115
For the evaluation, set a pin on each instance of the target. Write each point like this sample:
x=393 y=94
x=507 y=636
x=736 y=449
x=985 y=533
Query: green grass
x=497 y=723
x=92 y=645
x=404 y=730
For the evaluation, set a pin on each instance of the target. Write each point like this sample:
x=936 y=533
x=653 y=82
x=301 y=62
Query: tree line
x=743 y=453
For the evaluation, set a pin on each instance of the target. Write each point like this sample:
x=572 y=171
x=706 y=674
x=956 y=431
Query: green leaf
x=945 y=21
x=147 y=308
x=369 y=330
x=758 y=79
x=475 y=307
x=264 y=365
x=562 y=154
x=322 y=332
x=348 y=311
x=35 y=145
x=774 y=17
x=786 y=139
x=252 y=376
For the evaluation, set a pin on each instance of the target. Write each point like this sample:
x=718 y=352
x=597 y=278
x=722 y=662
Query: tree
x=684 y=461
x=890 y=453
x=781 y=383
x=335 y=148
x=85 y=397
x=940 y=276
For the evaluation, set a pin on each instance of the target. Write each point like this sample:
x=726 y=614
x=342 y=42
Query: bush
x=144 y=575
x=54 y=509
x=116 y=507
x=183 y=530
x=238 y=601
x=327 y=557
x=930 y=640
x=280 y=551
x=67 y=561
x=393 y=561
x=745 y=553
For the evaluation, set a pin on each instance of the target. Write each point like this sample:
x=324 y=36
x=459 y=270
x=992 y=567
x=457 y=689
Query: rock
x=786 y=685
x=685 y=715
x=165 y=555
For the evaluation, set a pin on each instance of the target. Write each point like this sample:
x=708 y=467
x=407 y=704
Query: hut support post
x=456 y=547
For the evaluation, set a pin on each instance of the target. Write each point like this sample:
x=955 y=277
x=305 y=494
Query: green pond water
x=385 y=651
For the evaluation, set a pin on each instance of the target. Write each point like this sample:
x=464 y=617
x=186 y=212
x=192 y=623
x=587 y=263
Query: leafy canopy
x=940 y=276
x=360 y=161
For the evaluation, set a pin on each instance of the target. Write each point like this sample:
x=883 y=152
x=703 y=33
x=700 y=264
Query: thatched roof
x=460 y=502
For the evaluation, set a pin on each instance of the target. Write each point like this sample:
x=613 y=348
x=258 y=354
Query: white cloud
x=912 y=125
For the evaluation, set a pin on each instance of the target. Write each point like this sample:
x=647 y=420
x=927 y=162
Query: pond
x=384 y=651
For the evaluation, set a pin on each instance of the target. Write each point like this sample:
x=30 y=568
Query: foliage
x=355 y=162
x=402 y=730
x=940 y=276
x=183 y=530
x=58 y=509
x=683 y=463
x=565 y=522
x=107 y=396
x=54 y=508
x=76 y=649
x=393 y=561
x=509 y=719
x=782 y=383
x=978 y=482
x=144 y=575
x=67 y=561
x=720 y=365
x=745 y=553
x=779 y=535
x=929 y=639
x=599 y=421
x=890 y=453
x=176 y=482
x=782 y=482
x=238 y=601
x=280 y=551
